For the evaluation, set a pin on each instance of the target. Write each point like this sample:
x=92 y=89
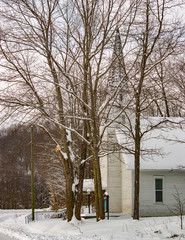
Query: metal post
x=32 y=177
x=107 y=206
x=88 y=192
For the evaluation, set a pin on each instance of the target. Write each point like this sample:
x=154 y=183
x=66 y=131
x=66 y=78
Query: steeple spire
x=117 y=83
x=117 y=73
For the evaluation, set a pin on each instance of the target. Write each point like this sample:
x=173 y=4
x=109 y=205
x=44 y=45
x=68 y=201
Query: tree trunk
x=96 y=192
x=137 y=159
x=69 y=199
x=69 y=191
x=99 y=201
x=100 y=192
x=79 y=196
x=32 y=177
x=137 y=180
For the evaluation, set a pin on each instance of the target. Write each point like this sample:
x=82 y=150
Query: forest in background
x=15 y=170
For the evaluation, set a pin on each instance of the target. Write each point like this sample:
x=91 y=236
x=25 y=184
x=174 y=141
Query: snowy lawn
x=12 y=223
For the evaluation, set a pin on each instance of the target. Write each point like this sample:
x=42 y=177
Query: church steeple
x=117 y=75
x=117 y=83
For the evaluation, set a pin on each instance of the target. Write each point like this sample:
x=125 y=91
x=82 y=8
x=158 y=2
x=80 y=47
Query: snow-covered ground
x=12 y=223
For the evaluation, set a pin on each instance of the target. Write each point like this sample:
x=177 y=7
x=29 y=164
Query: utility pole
x=32 y=177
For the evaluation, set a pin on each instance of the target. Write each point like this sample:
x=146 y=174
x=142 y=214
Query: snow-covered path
x=6 y=237
x=13 y=227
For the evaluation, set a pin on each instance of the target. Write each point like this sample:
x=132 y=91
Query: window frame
x=157 y=190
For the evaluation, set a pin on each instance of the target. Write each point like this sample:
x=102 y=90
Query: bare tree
x=54 y=62
x=166 y=97
x=148 y=32
x=178 y=208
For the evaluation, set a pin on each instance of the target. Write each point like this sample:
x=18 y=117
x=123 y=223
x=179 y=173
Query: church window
x=158 y=189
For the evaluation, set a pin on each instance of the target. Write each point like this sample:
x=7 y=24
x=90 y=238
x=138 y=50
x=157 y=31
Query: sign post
x=88 y=193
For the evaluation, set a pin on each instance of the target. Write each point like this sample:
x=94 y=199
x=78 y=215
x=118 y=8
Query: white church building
x=161 y=173
x=162 y=163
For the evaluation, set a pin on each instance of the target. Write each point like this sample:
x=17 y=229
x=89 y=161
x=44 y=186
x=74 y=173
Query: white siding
x=104 y=163
x=126 y=189
x=111 y=173
x=114 y=182
x=148 y=207
x=103 y=166
x=114 y=176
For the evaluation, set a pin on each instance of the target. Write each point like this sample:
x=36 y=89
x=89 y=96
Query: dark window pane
x=158 y=184
x=158 y=196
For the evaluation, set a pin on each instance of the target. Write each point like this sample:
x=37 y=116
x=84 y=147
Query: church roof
x=162 y=148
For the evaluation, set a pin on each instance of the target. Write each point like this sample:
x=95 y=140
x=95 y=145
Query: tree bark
x=137 y=161
x=79 y=197
x=99 y=201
